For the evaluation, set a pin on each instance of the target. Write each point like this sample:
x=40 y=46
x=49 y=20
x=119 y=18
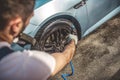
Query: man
x=28 y=64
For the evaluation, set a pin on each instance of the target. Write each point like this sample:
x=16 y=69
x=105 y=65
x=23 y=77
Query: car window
x=39 y=3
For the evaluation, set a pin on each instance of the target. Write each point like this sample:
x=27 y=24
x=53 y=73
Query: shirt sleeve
x=27 y=65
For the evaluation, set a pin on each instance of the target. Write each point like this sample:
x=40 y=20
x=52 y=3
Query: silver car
x=54 y=20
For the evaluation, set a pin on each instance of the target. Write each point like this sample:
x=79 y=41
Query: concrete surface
x=98 y=54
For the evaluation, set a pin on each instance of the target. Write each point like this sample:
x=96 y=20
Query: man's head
x=14 y=16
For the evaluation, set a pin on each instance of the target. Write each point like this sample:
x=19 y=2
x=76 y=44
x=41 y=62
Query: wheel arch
x=68 y=17
x=75 y=22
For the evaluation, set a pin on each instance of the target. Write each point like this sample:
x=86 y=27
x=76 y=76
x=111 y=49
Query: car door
x=97 y=9
x=115 y=3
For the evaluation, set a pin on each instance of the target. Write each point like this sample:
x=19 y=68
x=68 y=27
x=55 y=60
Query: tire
x=53 y=37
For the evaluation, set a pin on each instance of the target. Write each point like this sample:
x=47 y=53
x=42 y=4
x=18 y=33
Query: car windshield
x=39 y=3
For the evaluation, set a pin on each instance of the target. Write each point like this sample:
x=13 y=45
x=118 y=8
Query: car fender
x=49 y=11
x=33 y=29
x=51 y=8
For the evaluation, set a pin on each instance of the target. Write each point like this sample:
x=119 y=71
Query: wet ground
x=98 y=54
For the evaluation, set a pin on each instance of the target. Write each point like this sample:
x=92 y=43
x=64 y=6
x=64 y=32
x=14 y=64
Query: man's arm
x=63 y=58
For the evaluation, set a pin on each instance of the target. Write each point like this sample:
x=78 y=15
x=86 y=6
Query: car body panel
x=110 y=15
x=115 y=3
x=100 y=15
x=45 y=13
x=97 y=10
x=51 y=8
x=89 y=15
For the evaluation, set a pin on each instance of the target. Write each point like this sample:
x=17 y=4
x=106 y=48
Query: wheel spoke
x=57 y=38
x=56 y=41
x=60 y=35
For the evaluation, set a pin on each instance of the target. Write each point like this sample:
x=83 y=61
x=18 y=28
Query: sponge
x=73 y=37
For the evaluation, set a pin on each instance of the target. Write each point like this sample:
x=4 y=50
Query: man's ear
x=16 y=24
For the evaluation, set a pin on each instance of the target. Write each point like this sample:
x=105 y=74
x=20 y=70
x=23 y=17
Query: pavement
x=97 y=55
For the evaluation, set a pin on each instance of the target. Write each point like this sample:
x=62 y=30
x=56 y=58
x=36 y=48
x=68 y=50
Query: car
x=54 y=20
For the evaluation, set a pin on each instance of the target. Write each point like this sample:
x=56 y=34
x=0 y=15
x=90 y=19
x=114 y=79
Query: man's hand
x=69 y=51
x=62 y=59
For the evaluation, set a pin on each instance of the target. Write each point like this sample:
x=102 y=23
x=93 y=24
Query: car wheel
x=53 y=37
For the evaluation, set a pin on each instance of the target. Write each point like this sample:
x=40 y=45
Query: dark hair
x=10 y=9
